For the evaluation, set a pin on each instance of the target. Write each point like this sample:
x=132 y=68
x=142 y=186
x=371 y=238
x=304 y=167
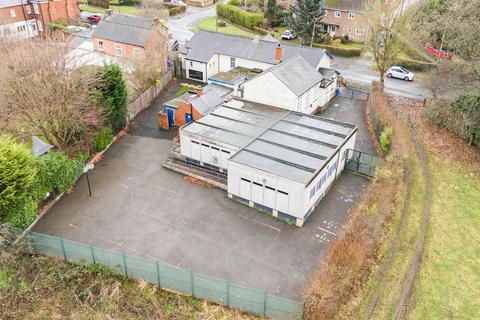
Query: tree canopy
x=306 y=16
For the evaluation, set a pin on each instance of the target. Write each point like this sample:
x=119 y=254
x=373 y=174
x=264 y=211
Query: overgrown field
x=34 y=287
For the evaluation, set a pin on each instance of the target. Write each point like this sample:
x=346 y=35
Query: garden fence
x=169 y=277
x=143 y=101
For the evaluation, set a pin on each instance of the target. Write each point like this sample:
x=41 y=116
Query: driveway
x=143 y=209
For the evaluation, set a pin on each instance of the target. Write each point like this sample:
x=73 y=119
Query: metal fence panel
x=113 y=259
x=248 y=299
x=46 y=244
x=142 y=268
x=78 y=252
x=279 y=308
x=210 y=288
x=175 y=278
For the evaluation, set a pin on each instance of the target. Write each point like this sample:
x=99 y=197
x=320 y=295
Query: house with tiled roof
x=209 y=53
x=124 y=35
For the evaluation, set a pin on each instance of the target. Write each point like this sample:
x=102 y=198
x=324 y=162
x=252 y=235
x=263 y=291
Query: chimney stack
x=278 y=53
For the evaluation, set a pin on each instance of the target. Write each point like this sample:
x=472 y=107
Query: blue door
x=171 y=117
x=188 y=117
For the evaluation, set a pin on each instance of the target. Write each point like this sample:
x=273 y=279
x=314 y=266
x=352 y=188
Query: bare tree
x=40 y=93
x=153 y=8
x=383 y=33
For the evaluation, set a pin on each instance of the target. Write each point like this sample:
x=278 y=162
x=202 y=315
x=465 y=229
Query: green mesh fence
x=170 y=277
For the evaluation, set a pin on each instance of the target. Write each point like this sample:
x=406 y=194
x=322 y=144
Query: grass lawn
x=123 y=9
x=449 y=279
x=209 y=25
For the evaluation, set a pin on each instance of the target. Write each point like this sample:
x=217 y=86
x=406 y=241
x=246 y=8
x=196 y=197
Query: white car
x=288 y=35
x=400 y=73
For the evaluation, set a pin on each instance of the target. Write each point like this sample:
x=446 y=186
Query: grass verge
x=34 y=287
x=209 y=24
x=122 y=9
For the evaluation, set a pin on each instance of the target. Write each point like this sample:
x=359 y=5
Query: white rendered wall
x=267 y=89
x=198 y=66
x=224 y=63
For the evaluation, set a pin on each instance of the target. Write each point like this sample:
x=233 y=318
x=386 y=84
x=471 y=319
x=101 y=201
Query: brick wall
x=128 y=50
x=181 y=111
x=6 y=16
x=354 y=26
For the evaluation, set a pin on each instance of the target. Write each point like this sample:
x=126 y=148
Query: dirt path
x=408 y=284
x=382 y=283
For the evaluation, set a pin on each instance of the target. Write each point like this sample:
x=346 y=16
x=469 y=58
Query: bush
x=461 y=117
x=344 y=52
x=127 y=2
x=385 y=139
x=55 y=174
x=235 y=3
x=174 y=9
x=344 y=39
x=23 y=214
x=113 y=96
x=239 y=16
x=103 y=139
x=415 y=65
x=17 y=173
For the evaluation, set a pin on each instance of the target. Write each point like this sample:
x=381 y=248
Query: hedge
x=344 y=52
x=415 y=65
x=174 y=9
x=239 y=16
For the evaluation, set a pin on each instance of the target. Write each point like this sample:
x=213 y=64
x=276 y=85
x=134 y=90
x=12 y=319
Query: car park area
x=139 y=207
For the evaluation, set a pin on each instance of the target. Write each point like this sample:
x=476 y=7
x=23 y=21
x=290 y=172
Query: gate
x=350 y=93
x=361 y=162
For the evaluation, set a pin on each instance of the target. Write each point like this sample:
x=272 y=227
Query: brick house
x=29 y=18
x=124 y=36
x=343 y=17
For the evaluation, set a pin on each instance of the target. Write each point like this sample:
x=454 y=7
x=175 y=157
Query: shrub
x=55 y=174
x=461 y=117
x=239 y=16
x=234 y=3
x=127 y=2
x=103 y=139
x=385 y=139
x=344 y=39
x=344 y=52
x=174 y=9
x=415 y=65
x=113 y=96
x=23 y=214
x=17 y=173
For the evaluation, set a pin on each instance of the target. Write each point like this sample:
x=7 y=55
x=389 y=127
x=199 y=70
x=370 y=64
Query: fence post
x=265 y=304
x=228 y=293
x=158 y=275
x=93 y=255
x=193 y=284
x=63 y=249
x=125 y=263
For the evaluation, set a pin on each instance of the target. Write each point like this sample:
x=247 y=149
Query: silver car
x=400 y=73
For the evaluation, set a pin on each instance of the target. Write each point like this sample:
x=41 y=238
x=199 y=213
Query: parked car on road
x=288 y=35
x=94 y=18
x=400 y=73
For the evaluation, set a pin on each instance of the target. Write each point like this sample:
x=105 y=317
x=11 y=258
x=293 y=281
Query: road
x=357 y=70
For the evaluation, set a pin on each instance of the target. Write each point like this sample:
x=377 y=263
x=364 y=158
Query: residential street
x=353 y=69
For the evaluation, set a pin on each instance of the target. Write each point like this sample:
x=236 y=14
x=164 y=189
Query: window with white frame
x=29 y=10
x=191 y=63
x=36 y=8
x=351 y=15
x=13 y=13
x=359 y=32
x=118 y=49
x=326 y=11
x=40 y=25
x=338 y=14
x=232 y=62
x=101 y=45
x=349 y=30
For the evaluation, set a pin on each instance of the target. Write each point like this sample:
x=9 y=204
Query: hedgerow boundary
x=352 y=280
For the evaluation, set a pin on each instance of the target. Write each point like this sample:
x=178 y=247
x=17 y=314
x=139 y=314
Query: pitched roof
x=124 y=28
x=206 y=102
x=348 y=5
x=296 y=73
x=204 y=44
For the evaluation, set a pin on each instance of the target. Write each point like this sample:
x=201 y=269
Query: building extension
x=278 y=161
